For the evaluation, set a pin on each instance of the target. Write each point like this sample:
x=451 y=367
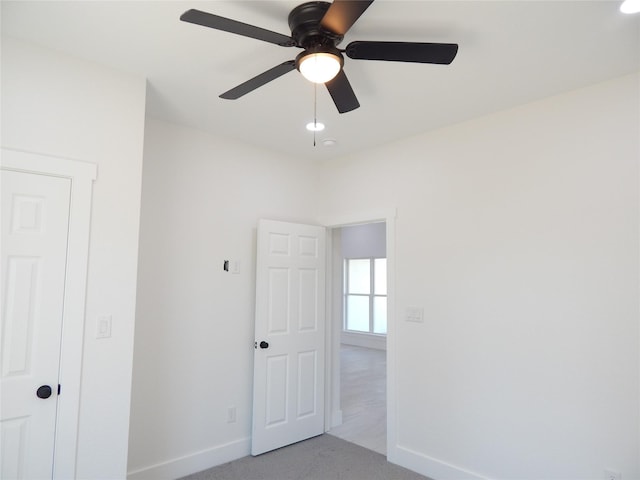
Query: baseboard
x=378 y=342
x=195 y=462
x=429 y=466
x=336 y=418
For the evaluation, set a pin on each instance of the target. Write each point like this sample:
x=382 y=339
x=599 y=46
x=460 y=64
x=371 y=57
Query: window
x=365 y=297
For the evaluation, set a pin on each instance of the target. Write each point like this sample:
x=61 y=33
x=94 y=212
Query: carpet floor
x=321 y=458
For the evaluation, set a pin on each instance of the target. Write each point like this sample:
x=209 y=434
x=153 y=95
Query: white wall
x=61 y=106
x=518 y=234
x=362 y=241
x=202 y=198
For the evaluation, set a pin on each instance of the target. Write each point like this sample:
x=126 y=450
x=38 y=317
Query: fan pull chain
x=315 y=112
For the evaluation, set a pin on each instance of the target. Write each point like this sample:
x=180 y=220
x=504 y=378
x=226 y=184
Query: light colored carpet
x=321 y=458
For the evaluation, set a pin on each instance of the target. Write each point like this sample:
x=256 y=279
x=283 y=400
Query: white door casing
x=35 y=218
x=79 y=177
x=288 y=387
x=334 y=327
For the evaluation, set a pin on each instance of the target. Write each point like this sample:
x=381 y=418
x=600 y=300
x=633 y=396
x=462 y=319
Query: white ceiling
x=511 y=52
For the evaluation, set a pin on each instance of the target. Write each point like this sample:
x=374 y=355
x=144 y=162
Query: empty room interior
x=359 y=258
x=465 y=209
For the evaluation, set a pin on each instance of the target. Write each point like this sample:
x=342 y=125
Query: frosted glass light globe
x=319 y=67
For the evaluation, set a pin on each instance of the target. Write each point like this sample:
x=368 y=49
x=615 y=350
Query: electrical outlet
x=231 y=415
x=610 y=474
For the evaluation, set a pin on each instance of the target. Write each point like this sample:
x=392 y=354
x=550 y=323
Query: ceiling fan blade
x=342 y=93
x=259 y=80
x=439 y=53
x=232 y=26
x=342 y=14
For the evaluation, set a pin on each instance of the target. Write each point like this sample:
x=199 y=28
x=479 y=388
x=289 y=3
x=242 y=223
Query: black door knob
x=44 y=391
x=264 y=344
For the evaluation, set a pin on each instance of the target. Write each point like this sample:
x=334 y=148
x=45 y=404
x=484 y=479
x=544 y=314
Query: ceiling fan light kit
x=318 y=28
x=320 y=66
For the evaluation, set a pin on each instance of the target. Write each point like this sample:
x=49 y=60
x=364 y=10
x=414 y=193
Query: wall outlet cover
x=231 y=415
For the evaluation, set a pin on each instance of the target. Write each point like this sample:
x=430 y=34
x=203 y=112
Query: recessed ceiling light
x=329 y=142
x=630 y=6
x=315 y=126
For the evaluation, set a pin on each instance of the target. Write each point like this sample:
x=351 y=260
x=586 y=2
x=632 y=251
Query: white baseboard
x=378 y=342
x=429 y=466
x=195 y=462
x=336 y=418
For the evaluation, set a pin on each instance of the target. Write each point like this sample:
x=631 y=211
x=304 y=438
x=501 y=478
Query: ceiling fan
x=317 y=28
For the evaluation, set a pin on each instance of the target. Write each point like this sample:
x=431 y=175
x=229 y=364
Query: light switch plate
x=103 y=326
x=235 y=267
x=414 y=314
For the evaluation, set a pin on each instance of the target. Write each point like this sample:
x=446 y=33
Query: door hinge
x=59 y=389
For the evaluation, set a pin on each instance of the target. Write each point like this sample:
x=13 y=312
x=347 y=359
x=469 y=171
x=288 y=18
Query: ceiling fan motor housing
x=304 y=22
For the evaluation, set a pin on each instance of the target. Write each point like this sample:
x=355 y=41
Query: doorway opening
x=359 y=306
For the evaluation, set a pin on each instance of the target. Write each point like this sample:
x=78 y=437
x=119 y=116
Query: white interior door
x=35 y=221
x=288 y=384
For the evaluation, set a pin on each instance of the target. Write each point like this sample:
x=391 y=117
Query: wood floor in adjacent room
x=363 y=398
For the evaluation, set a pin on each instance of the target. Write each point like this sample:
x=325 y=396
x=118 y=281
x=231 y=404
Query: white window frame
x=371 y=295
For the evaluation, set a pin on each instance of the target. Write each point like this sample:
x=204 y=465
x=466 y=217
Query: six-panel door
x=35 y=219
x=288 y=403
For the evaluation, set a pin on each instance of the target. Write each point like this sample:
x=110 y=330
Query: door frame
x=333 y=413
x=82 y=176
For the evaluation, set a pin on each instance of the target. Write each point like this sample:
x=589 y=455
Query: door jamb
x=82 y=176
x=333 y=414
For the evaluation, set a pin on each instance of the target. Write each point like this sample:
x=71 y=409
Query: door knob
x=264 y=344
x=44 y=391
